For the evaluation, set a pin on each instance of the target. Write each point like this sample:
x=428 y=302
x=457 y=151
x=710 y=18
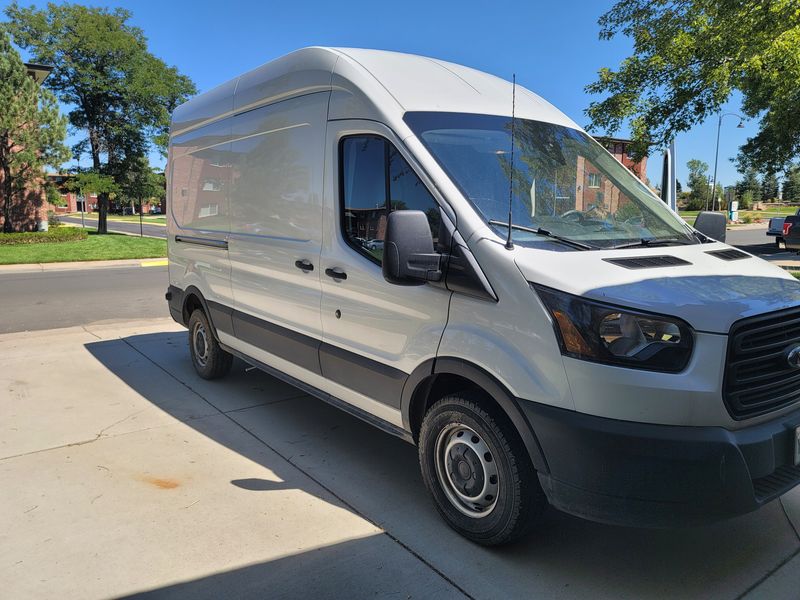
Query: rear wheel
x=209 y=359
x=478 y=472
x=778 y=242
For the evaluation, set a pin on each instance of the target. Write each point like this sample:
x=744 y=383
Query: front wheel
x=478 y=472
x=209 y=359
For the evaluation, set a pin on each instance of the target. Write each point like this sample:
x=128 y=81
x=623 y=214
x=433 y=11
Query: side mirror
x=408 y=255
x=711 y=224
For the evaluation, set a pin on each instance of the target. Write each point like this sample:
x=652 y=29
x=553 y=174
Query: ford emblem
x=793 y=357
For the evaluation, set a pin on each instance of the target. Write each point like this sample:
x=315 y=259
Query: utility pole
x=713 y=189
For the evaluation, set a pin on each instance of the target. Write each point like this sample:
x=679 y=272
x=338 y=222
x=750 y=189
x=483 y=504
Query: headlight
x=604 y=333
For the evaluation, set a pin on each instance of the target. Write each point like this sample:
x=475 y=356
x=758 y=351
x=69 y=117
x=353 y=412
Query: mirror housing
x=408 y=254
x=712 y=225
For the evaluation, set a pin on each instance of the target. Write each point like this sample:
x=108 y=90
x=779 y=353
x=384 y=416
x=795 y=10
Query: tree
x=121 y=95
x=32 y=131
x=769 y=187
x=53 y=195
x=688 y=57
x=698 y=184
x=719 y=198
x=92 y=182
x=141 y=182
x=791 y=184
x=748 y=189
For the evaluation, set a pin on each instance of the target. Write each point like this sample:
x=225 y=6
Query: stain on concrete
x=163 y=484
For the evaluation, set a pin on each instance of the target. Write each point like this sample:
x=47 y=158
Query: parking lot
x=124 y=474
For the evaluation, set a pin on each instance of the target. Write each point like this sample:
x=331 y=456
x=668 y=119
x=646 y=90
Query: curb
x=87 y=264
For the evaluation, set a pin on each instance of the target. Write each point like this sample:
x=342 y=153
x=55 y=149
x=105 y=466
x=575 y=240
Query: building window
x=593 y=180
x=374 y=180
x=212 y=185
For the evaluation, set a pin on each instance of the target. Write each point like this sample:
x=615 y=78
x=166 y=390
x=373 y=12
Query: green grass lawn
x=110 y=246
x=146 y=219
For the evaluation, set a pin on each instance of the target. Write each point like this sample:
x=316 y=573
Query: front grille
x=758 y=377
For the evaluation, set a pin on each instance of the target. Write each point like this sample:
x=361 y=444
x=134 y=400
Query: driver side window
x=375 y=179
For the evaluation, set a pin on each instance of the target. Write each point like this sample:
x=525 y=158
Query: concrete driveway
x=122 y=473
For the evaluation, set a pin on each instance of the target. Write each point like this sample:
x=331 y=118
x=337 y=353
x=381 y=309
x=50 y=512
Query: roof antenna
x=509 y=243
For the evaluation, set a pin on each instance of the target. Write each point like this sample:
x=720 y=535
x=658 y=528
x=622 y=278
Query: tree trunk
x=102 y=199
x=7 y=190
x=102 y=213
x=4 y=156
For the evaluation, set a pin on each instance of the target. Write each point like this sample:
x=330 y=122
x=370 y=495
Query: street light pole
x=713 y=189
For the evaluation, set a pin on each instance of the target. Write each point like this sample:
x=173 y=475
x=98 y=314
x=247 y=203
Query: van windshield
x=564 y=182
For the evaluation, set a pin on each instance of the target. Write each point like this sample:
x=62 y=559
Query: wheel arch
x=436 y=377
x=193 y=299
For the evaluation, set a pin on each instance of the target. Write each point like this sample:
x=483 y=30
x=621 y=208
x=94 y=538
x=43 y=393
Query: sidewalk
x=124 y=473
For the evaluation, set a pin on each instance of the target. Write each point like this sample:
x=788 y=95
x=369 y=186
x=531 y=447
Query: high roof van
x=453 y=260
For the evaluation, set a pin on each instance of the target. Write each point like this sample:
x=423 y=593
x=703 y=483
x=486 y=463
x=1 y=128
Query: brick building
x=595 y=190
x=621 y=149
x=32 y=208
x=73 y=202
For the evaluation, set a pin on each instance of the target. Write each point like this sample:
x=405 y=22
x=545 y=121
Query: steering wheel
x=573 y=213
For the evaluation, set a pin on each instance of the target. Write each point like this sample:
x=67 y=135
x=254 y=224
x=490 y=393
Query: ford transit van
x=376 y=229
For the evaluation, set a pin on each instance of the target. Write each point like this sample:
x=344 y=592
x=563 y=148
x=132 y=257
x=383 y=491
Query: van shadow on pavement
x=376 y=476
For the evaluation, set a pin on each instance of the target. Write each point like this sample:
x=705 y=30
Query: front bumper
x=649 y=475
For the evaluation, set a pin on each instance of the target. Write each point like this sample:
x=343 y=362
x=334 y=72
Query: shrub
x=52 y=219
x=747 y=218
x=59 y=234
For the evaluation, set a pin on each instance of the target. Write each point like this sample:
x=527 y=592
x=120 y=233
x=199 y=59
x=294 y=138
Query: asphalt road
x=158 y=231
x=52 y=299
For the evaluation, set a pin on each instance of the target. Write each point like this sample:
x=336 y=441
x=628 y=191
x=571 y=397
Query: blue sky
x=553 y=47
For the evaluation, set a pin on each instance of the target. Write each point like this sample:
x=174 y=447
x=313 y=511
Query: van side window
x=376 y=179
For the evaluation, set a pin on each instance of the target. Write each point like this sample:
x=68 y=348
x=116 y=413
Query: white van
x=340 y=219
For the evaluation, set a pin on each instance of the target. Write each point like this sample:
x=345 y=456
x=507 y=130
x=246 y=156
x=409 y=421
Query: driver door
x=374 y=333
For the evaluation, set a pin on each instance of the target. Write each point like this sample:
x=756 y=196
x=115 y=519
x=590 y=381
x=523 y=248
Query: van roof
x=367 y=84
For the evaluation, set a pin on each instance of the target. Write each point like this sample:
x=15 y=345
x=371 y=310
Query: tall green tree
x=791 y=184
x=698 y=184
x=689 y=57
x=32 y=131
x=769 y=187
x=121 y=95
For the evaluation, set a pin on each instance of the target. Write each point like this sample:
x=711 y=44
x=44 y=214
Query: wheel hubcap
x=466 y=470
x=200 y=344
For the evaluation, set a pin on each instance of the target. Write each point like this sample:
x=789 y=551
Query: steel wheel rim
x=466 y=470
x=200 y=344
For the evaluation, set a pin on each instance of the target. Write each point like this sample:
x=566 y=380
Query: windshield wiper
x=546 y=233
x=650 y=242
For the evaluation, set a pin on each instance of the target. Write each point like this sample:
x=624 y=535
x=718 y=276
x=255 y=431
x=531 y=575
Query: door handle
x=304 y=265
x=336 y=273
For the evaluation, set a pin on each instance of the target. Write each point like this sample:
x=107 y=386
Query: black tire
x=778 y=242
x=209 y=359
x=518 y=499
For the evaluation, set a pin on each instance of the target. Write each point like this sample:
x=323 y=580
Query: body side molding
x=324 y=396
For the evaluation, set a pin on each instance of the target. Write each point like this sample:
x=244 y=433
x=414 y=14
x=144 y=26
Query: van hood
x=709 y=292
